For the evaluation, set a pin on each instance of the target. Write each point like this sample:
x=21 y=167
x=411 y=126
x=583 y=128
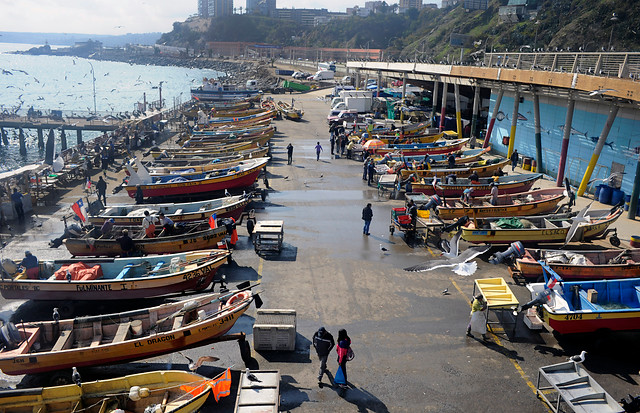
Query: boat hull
x=481 y=170
x=222 y=95
x=478 y=190
x=440 y=149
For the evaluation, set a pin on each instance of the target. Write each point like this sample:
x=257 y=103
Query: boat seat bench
x=124 y=272
x=155 y=269
x=123 y=332
x=64 y=340
x=586 y=304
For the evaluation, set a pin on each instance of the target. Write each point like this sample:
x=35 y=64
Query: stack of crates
x=275 y=330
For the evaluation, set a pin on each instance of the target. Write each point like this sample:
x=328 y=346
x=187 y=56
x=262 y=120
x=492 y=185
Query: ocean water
x=66 y=83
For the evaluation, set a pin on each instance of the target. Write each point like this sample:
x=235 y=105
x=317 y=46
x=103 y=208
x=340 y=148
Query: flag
x=212 y=221
x=552 y=281
x=78 y=208
x=88 y=184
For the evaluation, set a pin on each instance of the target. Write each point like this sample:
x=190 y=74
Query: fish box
x=275 y=330
x=592 y=295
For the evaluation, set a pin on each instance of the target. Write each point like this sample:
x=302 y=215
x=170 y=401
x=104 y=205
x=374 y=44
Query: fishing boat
x=229 y=136
x=206 y=142
x=547 y=229
x=288 y=111
x=414 y=138
x=232 y=178
x=506 y=185
x=196 y=159
x=578 y=265
x=462 y=157
x=243 y=120
x=268 y=104
x=115 y=278
x=437 y=147
x=171 y=391
x=232 y=113
x=482 y=168
x=230 y=206
x=190 y=236
x=219 y=150
x=588 y=306
x=410 y=129
x=45 y=346
x=535 y=202
x=215 y=91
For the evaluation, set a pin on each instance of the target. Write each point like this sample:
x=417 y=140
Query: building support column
x=379 y=83
x=514 y=121
x=568 y=121
x=434 y=103
x=78 y=136
x=443 y=107
x=63 y=141
x=48 y=155
x=474 y=117
x=496 y=109
x=456 y=93
x=538 y=136
x=635 y=193
x=23 y=145
x=613 y=112
x=40 y=139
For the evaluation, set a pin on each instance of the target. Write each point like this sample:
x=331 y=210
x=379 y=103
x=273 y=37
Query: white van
x=323 y=75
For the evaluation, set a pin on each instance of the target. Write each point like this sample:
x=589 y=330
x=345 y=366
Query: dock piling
x=40 y=139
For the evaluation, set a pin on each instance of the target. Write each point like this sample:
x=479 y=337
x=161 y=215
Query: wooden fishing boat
x=165 y=166
x=260 y=139
x=462 y=157
x=229 y=137
x=232 y=178
x=547 y=229
x=590 y=306
x=410 y=129
x=437 y=147
x=221 y=149
x=232 y=113
x=116 y=278
x=506 y=185
x=535 y=202
x=254 y=153
x=230 y=206
x=482 y=168
x=288 y=111
x=217 y=127
x=188 y=237
x=225 y=131
x=120 y=337
x=414 y=138
x=243 y=120
x=185 y=393
x=578 y=265
x=268 y=104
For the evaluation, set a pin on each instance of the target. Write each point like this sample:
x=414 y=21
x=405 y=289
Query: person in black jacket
x=323 y=343
x=367 y=216
x=101 y=187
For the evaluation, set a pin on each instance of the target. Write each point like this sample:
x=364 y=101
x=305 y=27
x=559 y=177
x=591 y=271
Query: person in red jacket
x=343 y=348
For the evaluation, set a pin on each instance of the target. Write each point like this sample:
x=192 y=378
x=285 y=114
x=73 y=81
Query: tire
x=60 y=378
x=615 y=241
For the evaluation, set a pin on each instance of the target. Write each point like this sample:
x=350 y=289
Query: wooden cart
x=268 y=237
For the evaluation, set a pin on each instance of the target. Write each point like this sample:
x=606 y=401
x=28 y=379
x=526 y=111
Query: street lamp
x=93 y=76
x=159 y=87
x=535 y=40
x=614 y=19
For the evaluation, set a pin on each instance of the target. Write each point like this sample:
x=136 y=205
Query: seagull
x=445 y=291
x=575 y=223
x=226 y=193
x=578 y=358
x=286 y=177
x=75 y=376
x=322 y=176
x=383 y=249
x=251 y=376
x=56 y=315
x=194 y=366
x=607 y=180
x=459 y=262
x=601 y=91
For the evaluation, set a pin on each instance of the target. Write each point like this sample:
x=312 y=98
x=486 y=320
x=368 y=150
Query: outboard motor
x=10 y=335
x=433 y=203
x=541 y=299
x=632 y=405
x=515 y=250
x=456 y=225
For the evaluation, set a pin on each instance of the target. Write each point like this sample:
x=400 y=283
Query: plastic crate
x=275 y=330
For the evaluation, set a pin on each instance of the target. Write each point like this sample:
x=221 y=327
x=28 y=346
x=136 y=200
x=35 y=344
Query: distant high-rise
x=215 y=8
x=263 y=7
x=404 y=5
x=476 y=4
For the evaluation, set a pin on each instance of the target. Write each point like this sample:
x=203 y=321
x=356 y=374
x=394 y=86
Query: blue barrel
x=617 y=195
x=627 y=201
x=597 y=194
x=604 y=197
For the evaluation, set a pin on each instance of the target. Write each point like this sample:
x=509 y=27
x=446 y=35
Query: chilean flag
x=78 y=208
x=553 y=280
x=212 y=221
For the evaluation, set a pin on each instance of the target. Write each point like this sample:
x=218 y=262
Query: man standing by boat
x=101 y=187
x=367 y=216
x=515 y=157
x=126 y=243
x=139 y=195
x=494 y=194
x=149 y=224
x=16 y=199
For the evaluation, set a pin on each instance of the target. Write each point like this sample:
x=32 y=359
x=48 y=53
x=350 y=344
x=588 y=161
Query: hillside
x=562 y=24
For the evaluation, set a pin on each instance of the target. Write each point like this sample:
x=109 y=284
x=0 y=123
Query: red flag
x=212 y=221
x=77 y=208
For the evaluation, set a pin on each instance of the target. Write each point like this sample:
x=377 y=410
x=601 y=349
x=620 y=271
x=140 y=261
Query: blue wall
x=623 y=142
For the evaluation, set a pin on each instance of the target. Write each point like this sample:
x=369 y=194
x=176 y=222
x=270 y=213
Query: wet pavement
x=411 y=351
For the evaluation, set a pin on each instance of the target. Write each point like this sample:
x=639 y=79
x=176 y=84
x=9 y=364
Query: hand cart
x=268 y=237
x=499 y=298
x=387 y=184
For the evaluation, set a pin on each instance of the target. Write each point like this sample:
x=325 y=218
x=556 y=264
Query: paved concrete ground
x=411 y=351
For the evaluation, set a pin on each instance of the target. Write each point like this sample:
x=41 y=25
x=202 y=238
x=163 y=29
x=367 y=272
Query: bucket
x=617 y=195
x=534 y=166
x=526 y=163
x=605 y=195
x=627 y=201
x=136 y=327
x=635 y=241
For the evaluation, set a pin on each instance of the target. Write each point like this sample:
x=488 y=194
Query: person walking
x=367 y=216
x=478 y=321
x=318 y=150
x=101 y=187
x=515 y=158
x=16 y=199
x=372 y=171
x=323 y=343
x=332 y=141
x=289 y=153
x=344 y=348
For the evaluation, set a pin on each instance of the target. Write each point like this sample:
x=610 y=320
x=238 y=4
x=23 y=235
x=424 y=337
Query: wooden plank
x=64 y=340
x=123 y=332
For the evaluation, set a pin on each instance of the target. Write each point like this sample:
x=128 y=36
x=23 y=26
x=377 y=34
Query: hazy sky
x=121 y=16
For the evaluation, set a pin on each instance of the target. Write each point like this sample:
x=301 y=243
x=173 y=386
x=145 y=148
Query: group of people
x=323 y=342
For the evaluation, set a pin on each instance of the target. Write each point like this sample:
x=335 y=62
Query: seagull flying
x=578 y=358
x=575 y=222
x=75 y=376
x=251 y=376
x=194 y=366
x=459 y=262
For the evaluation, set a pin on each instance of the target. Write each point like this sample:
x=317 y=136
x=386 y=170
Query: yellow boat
x=288 y=111
x=46 y=346
x=482 y=168
x=418 y=138
x=222 y=149
x=172 y=391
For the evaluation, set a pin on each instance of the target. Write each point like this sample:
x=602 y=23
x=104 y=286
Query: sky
x=121 y=16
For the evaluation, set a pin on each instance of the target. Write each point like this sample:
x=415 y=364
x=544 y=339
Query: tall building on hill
x=404 y=5
x=476 y=4
x=215 y=8
x=263 y=7
x=306 y=17
x=449 y=3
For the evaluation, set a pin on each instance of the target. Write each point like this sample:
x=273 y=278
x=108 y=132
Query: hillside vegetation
x=561 y=24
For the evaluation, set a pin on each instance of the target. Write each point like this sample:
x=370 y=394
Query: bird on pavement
x=578 y=358
x=75 y=376
x=251 y=376
x=459 y=262
x=445 y=291
x=383 y=249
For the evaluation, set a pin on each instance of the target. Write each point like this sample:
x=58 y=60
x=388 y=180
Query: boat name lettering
x=559 y=231
x=200 y=272
x=160 y=339
x=99 y=287
x=18 y=287
x=19 y=360
x=573 y=317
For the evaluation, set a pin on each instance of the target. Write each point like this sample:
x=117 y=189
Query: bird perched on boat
x=459 y=262
x=578 y=358
x=75 y=376
x=608 y=180
x=56 y=315
x=600 y=91
x=226 y=193
x=251 y=376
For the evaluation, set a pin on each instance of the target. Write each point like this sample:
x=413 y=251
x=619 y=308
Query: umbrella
x=373 y=144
